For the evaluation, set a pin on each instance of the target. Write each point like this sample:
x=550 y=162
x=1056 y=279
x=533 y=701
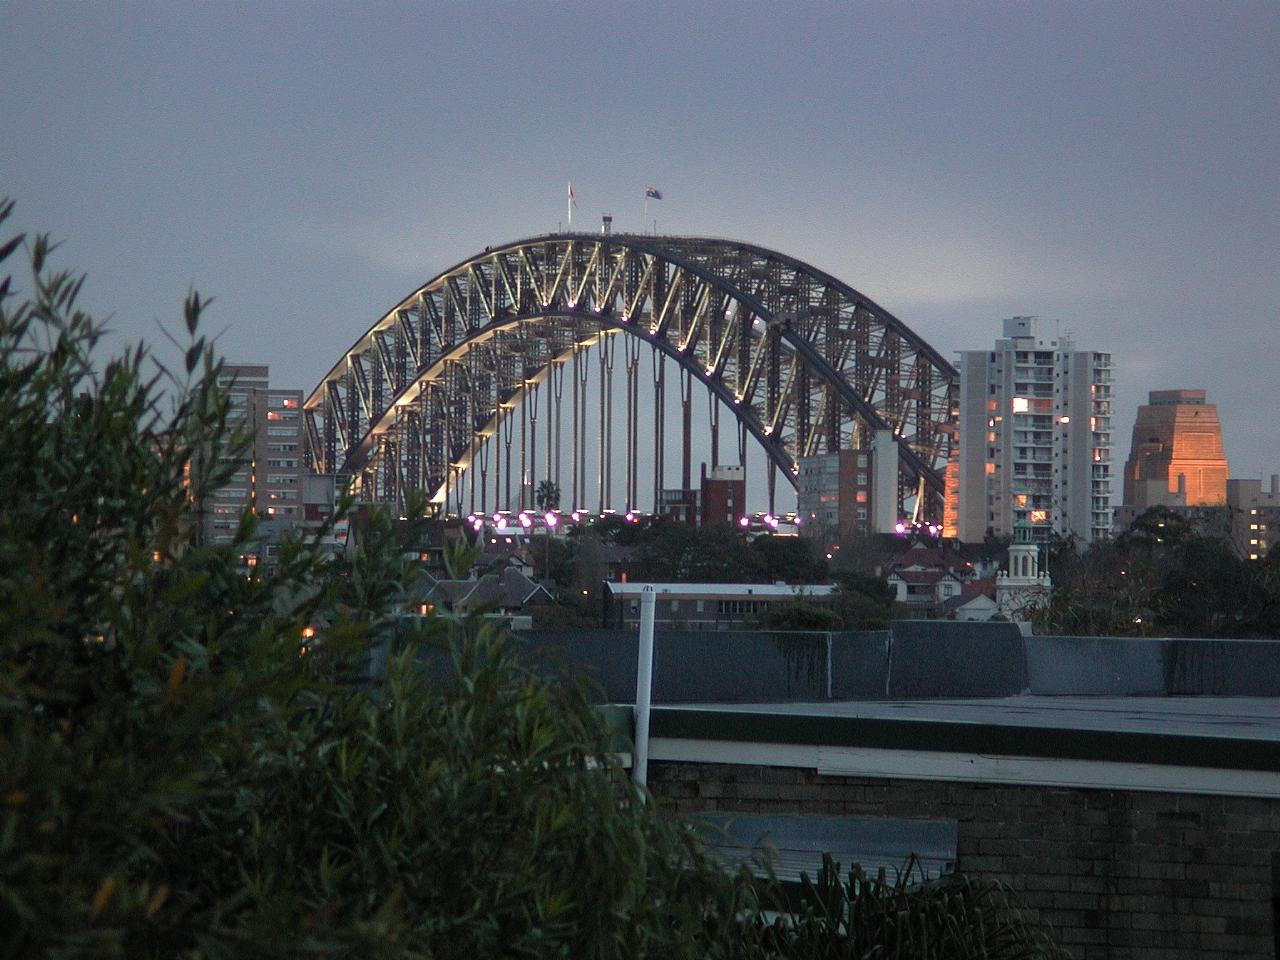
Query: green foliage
x=789 y=559
x=181 y=774
x=571 y=611
x=131 y=661
x=720 y=553
x=554 y=561
x=176 y=778
x=547 y=496
x=477 y=816
x=863 y=601
x=1165 y=576
x=678 y=552
x=799 y=615
x=862 y=916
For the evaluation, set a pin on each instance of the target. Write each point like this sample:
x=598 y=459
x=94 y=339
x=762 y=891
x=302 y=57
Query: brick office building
x=1138 y=821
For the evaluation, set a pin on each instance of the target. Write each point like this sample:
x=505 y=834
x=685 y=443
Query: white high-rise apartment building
x=1035 y=437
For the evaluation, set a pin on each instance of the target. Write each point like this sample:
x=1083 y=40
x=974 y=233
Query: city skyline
x=1109 y=168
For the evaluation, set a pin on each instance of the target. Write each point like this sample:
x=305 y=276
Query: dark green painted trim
x=950 y=737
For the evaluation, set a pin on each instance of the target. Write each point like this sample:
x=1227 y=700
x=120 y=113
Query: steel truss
x=805 y=363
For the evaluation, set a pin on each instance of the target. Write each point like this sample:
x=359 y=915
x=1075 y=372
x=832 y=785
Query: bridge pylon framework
x=448 y=380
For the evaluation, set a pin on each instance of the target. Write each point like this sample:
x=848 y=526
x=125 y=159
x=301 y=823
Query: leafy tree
x=555 y=562
x=799 y=615
x=863 y=601
x=547 y=498
x=1165 y=576
x=716 y=553
x=570 y=612
x=131 y=660
x=176 y=779
x=183 y=774
x=547 y=495
x=789 y=559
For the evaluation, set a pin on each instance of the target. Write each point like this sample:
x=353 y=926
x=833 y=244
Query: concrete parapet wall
x=914 y=660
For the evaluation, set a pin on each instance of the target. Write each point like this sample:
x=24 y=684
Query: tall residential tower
x=268 y=476
x=1035 y=437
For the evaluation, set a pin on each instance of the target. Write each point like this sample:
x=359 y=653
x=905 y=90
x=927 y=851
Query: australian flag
x=652 y=193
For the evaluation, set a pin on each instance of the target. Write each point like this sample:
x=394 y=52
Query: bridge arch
x=803 y=362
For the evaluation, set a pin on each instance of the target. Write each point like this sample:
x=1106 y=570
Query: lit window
x=1020 y=405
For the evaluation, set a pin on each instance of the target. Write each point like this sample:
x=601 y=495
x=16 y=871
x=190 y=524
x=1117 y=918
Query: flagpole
x=644 y=224
x=569 y=205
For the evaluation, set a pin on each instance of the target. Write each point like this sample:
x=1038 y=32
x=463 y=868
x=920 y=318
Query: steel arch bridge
x=803 y=362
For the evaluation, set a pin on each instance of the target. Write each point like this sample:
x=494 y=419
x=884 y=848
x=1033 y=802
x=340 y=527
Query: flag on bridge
x=652 y=193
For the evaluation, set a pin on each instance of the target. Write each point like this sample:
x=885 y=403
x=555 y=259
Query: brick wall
x=1119 y=874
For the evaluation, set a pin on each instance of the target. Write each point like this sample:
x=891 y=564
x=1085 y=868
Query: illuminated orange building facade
x=1176 y=458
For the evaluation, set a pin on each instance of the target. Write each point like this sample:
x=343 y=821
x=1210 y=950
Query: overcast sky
x=1114 y=166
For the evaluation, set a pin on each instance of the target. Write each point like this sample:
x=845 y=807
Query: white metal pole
x=644 y=690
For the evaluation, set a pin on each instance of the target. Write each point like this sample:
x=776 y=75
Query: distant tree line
x=1164 y=576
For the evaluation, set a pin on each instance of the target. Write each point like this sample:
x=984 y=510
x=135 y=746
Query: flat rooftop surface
x=1235 y=718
